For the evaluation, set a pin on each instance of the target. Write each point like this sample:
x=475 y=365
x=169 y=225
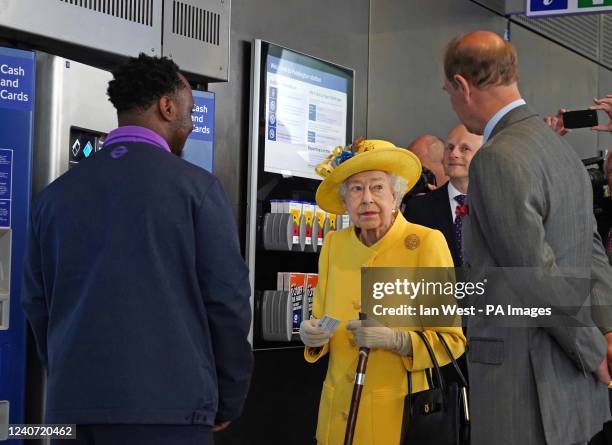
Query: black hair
x=141 y=81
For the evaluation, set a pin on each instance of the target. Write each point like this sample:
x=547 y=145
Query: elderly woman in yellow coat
x=368 y=181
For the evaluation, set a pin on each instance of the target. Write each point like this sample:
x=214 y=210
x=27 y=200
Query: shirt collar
x=135 y=133
x=452 y=192
x=497 y=117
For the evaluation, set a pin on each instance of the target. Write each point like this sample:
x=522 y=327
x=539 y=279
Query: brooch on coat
x=412 y=241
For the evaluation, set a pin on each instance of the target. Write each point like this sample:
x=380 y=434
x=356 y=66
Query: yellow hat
x=363 y=155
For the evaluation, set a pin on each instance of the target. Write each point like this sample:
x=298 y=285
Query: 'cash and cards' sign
x=199 y=148
x=537 y=8
x=16 y=84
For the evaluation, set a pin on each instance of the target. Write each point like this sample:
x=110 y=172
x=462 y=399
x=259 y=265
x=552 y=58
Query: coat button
x=344 y=415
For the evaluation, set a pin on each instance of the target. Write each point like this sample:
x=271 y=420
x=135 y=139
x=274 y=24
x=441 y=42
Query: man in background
x=430 y=149
x=443 y=208
x=134 y=285
x=530 y=208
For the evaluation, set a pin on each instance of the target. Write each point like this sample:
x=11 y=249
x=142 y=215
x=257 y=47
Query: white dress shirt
x=452 y=192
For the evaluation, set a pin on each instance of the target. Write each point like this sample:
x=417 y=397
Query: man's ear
x=167 y=108
x=462 y=85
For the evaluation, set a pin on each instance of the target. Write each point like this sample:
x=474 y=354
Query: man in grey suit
x=530 y=207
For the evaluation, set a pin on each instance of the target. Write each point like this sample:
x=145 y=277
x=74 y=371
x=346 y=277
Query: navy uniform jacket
x=137 y=294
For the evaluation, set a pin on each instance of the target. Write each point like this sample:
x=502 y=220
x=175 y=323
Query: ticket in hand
x=328 y=323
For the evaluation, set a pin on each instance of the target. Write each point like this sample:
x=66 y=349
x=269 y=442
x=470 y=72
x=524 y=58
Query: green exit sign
x=594 y=3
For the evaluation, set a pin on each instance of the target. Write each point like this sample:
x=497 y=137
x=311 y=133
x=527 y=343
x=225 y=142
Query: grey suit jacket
x=530 y=205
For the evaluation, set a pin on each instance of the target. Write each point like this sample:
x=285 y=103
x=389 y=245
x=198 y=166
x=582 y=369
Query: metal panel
x=122 y=27
x=561 y=79
x=69 y=94
x=503 y=6
x=139 y=11
x=580 y=33
x=196 y=36
x=605 y=55
x=407 y=40
x=251 y=217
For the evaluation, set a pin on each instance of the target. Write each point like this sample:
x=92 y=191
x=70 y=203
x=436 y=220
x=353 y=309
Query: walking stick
x=357 y=388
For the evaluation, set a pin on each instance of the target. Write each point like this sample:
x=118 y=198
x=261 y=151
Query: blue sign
x=312 y=112
x=16 y=84
x=199 y=148
x=548 y=5
x=272 y=115
x=88 y=149
x=272 y=133
x=16 y=139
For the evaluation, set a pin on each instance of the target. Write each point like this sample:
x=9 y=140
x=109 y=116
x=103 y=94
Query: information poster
x=6 y=183
x=306 y=117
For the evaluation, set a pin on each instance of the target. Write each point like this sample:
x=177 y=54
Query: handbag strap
x=452 y=358
x=432 y=356
x=408 y=398
x=407 y=408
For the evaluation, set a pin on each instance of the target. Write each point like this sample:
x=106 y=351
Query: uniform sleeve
x=33 y=298
x=318 y=303
x=224 y=281
x=434 y=253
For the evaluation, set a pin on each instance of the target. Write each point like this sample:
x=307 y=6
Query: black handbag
x=439 y=415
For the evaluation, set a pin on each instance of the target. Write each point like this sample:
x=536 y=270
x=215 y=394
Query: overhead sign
x=538 y=8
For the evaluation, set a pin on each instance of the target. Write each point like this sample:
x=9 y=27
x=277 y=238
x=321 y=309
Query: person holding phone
x=559 y=126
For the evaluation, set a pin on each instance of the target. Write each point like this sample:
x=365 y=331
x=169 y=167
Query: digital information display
x=308 y=112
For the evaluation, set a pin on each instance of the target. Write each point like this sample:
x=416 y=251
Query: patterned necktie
x=460 y=211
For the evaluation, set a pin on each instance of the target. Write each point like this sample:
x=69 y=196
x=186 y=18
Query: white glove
x=312 y=335
x=368 y=334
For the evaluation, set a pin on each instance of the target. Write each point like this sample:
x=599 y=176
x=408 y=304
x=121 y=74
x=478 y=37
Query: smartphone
x=580 y=119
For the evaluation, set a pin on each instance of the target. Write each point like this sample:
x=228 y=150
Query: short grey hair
x=399 y=187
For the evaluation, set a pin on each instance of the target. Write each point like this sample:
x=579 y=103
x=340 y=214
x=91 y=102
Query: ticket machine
x=17 y=97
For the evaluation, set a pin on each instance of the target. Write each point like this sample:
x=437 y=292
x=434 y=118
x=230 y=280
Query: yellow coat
x=338 y=291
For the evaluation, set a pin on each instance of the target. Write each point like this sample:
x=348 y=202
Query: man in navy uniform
x=134 y=285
